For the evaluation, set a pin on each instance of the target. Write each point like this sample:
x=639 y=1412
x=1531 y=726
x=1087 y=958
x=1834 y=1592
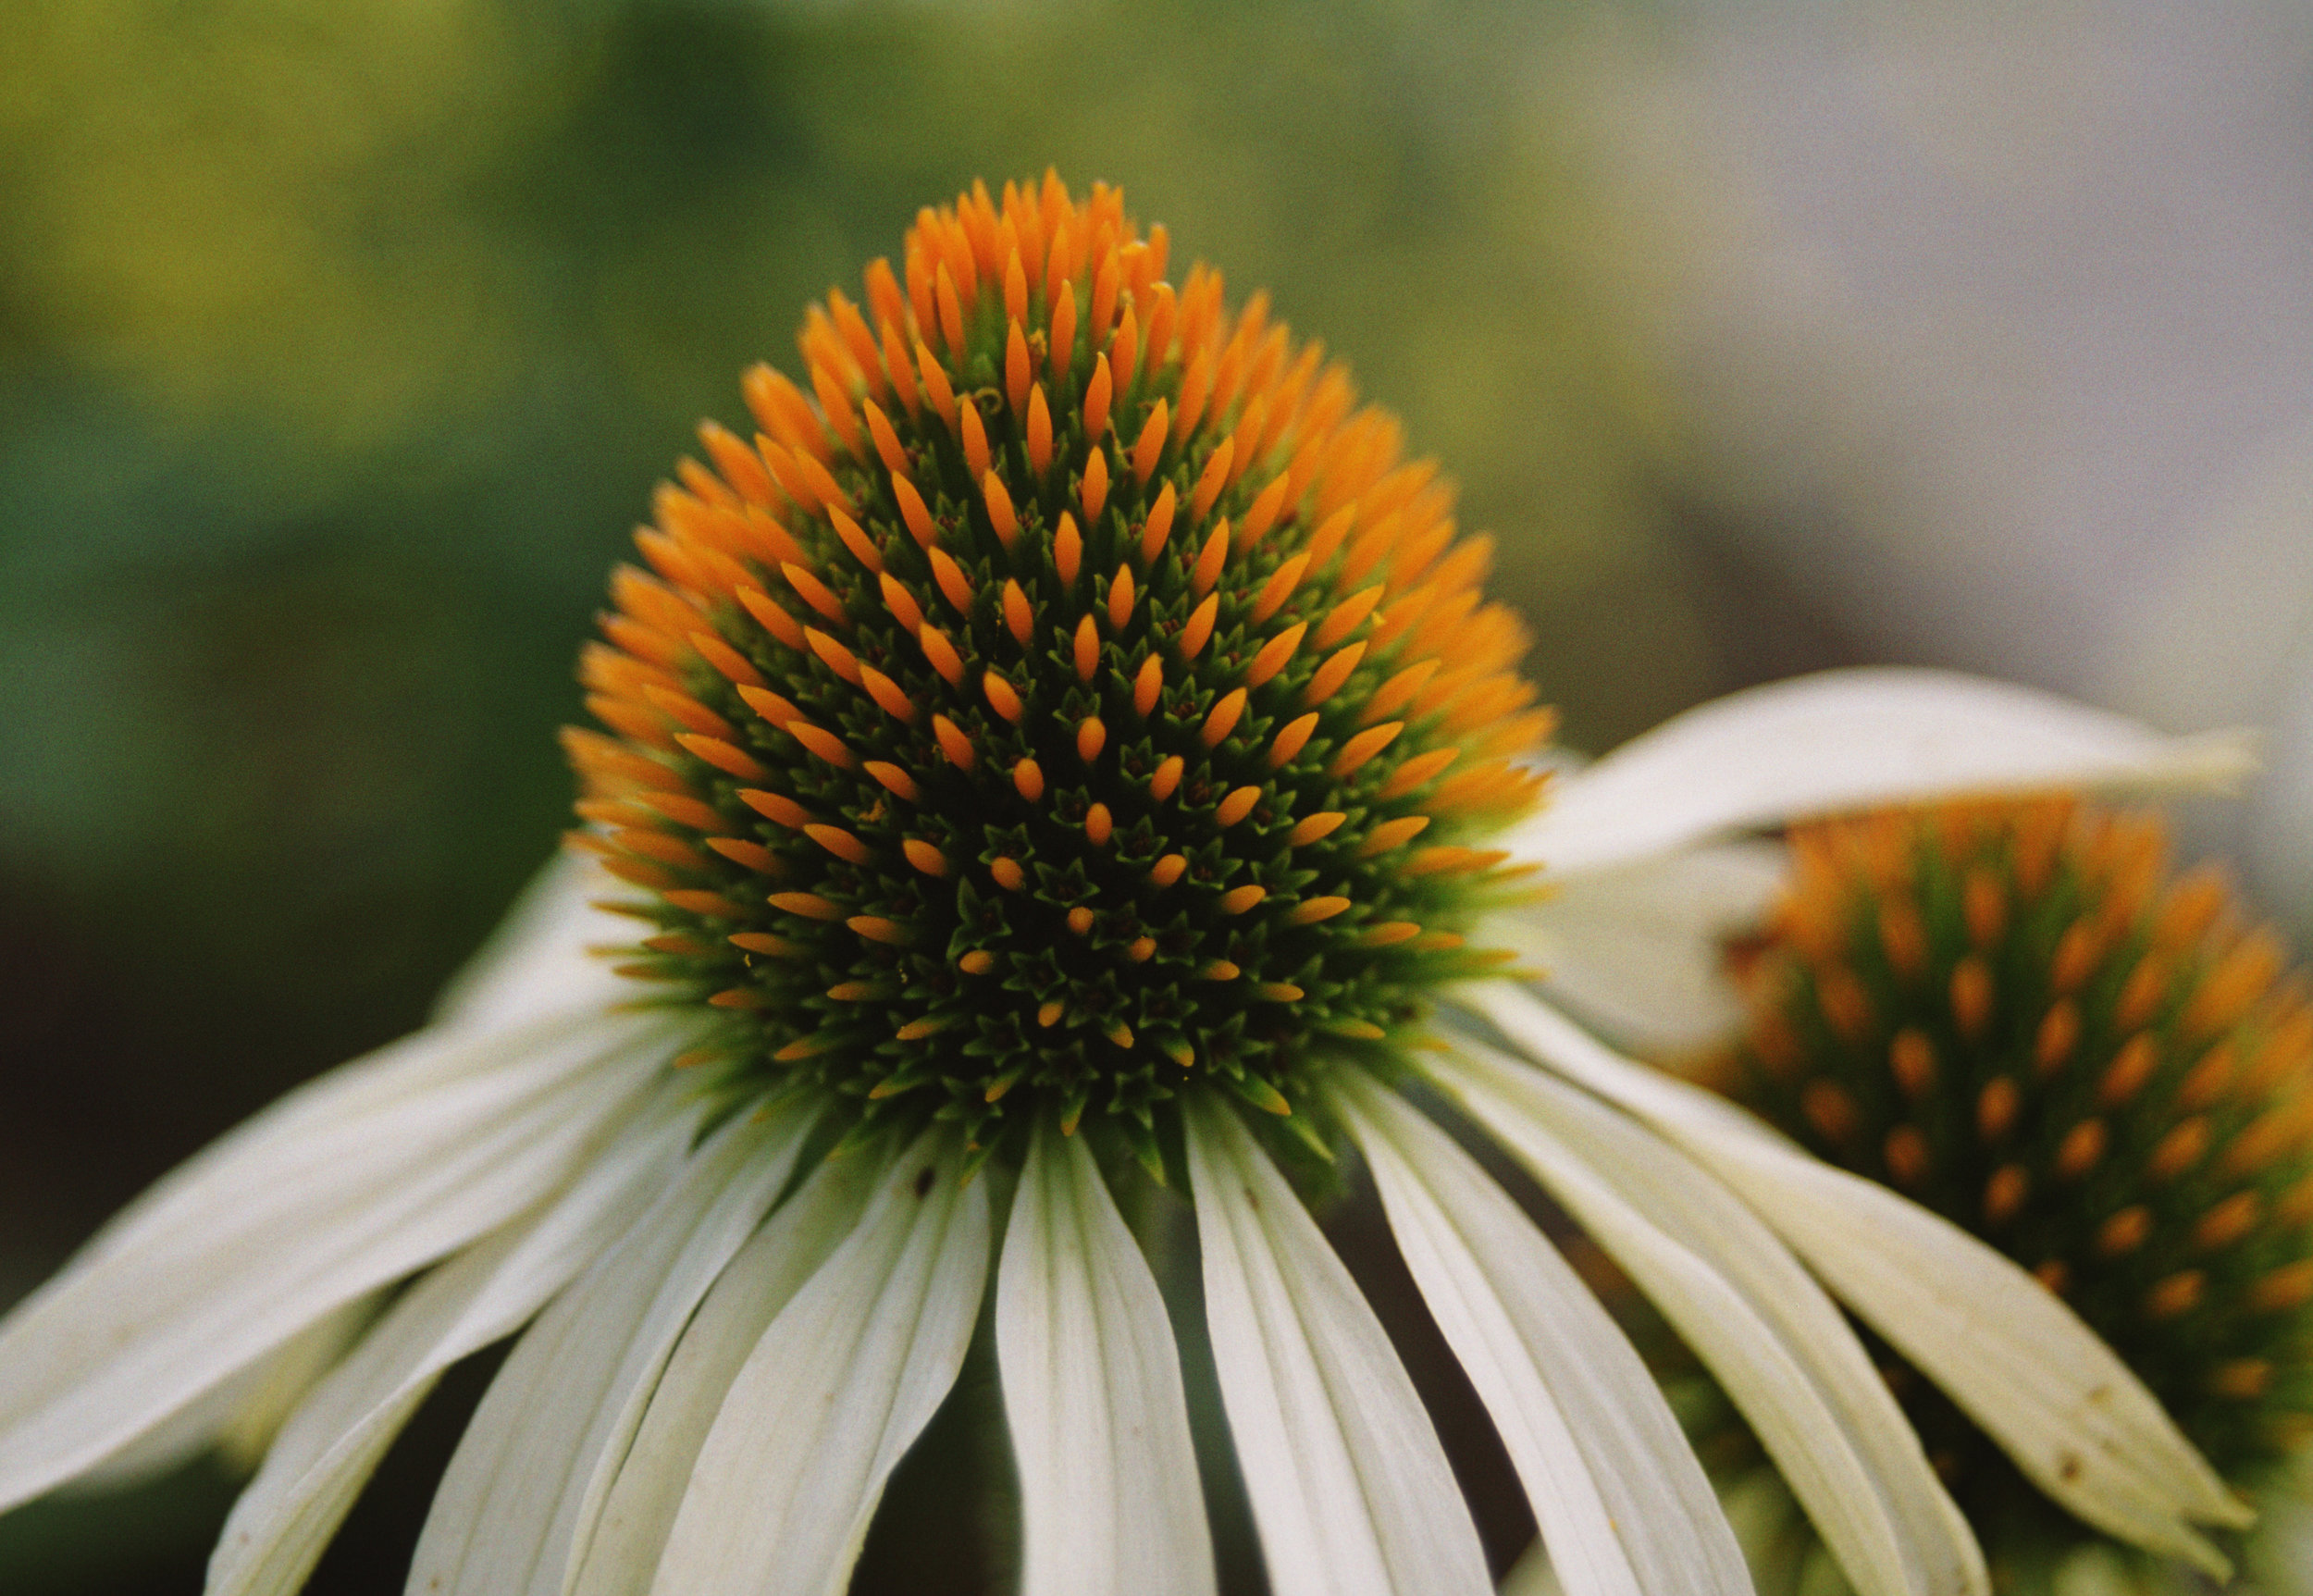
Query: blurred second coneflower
x=2013 y=1015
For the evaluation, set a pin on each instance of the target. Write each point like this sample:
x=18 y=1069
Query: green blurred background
x=340 y=346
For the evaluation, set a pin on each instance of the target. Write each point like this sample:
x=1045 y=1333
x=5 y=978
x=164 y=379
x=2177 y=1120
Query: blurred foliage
x=339 y=346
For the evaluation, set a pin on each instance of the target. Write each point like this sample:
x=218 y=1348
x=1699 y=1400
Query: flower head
x=1058 y=745
x=1076 y=694
x=2010 y=1014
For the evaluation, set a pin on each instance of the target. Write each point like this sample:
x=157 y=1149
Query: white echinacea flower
x=1051 y=750
x=2009 y=1011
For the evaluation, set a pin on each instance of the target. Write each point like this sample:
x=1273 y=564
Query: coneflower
x=2010 y=1013
x=1060 y=744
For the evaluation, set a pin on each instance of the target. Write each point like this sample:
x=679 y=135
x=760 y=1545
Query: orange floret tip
x=1094 y=496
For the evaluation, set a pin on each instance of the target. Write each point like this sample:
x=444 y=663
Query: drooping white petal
x=1637 y=950
x=1847 y=739
x=537 y=961
x=240 y=1418
x=1623 y=1504
x=518 y=1500
x=842 y=1383
x=329 y=1446
x=1753 y=1315
x=1350 y=1489
x=638 y=1511
x=346 y=1184
x=2002 y=1346
x=1091 y=1392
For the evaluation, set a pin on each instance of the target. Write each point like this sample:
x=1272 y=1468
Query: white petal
x=2001 y=1345
x=1623 y=1504
x=1350 y=1489
x=639 y=1509
x=1532 y=1574
x=240 y=1418
x=537 y=961
x=842 y=1383
x=1751 y=1314
x=345 y=1185
x=1091 y=1392
x=1638 y=951
x=518 y=1500
x=326 y=1450
x=1845 y=740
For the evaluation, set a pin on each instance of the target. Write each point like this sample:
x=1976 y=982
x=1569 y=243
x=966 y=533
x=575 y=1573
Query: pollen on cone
x=1291 y=740
x=1274 y=654
x=1159 y=526
x=1087 y=649
x=1199 y=627
x=837 y=658
x=1095 y=497
x=953 y=743
x=1018 y=617
x=888 y=445
x=1224 y=719
x=814 y=592
x=901 y=603
x=1316 y=827
x=1039 y=439
x=975 y=440
x=1211 y=480
x=1329 y=675
x=954 y=585
x=1209 y=561
x=1097 y=397
x=1150 y=444
x=941 y=653
x=913 y=511
x=1063 y=331
x=1001 y=698
x=1016 y=372
x=1000 y=512
x=895 y=781
x=1363 y=747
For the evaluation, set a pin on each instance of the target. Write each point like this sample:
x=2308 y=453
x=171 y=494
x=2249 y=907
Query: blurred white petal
x=352 y=1182
x=1532 y=1575
x=518 y=1504
x=1350 y=1489
x=2000 y=1344
x=639 y=1509
x=840 y=1386
x=537 y=961
x=1624 y=1506
x=1091 y=1392
x=1753 y=1316
x=327 y=1450
x=240 y=1418
x=1851 y=739
x=1636 y=951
